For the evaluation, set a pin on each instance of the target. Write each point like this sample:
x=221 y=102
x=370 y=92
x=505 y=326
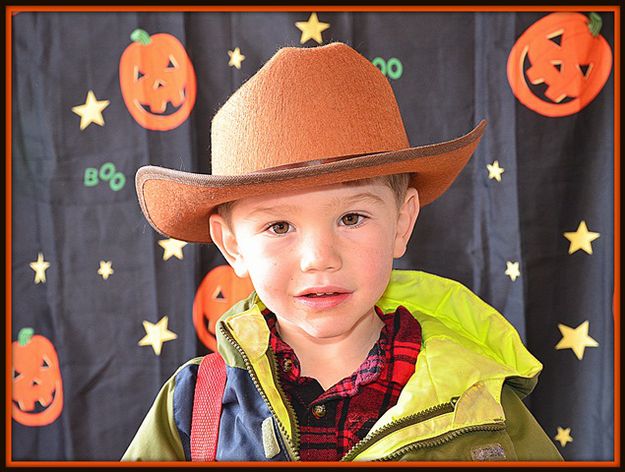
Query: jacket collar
x=464 y=338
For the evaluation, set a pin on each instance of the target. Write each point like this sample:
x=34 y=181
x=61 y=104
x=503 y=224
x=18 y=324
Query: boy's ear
x=406 y=220
x=225 y=239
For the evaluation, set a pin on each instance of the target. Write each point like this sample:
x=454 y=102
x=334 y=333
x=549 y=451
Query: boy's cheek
x=261 y=271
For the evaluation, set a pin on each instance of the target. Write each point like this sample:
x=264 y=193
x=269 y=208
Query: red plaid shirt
x=333 y=421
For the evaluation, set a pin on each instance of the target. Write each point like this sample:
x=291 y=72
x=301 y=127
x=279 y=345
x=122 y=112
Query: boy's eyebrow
x=273 y=209
x=280 y=209
x=364 y=196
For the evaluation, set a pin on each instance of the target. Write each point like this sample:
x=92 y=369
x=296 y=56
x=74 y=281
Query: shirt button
x=287 y=365
x=319 y=411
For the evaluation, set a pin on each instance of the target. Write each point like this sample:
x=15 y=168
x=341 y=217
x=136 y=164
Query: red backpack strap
x=209 y=391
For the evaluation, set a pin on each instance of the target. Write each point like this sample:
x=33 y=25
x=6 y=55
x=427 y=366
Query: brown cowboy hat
x=308 y=117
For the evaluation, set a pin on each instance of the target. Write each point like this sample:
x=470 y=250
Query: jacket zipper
x=292 y=447
x=440 y=440
x=289 y=407
x=410 y=420
x=397 y=425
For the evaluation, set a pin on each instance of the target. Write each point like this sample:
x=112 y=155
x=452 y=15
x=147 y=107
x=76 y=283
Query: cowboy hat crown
x=306 y=104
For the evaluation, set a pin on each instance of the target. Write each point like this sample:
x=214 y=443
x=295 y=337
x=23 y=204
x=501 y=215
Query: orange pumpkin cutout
x=566 y=53
x=36 y=378
x=218 y=291
x=154 y=71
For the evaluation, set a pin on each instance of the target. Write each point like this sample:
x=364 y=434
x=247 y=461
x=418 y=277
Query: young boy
x=335 y=356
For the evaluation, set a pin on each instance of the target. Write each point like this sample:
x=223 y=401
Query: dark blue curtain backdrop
x=114 y=300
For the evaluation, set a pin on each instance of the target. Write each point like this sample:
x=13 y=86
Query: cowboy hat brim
x=178 y=204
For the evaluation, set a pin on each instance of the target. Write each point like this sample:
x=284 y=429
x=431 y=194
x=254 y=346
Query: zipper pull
x=453 y=401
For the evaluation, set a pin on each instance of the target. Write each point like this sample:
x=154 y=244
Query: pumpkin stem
x=594 y=23
x=140 y=36
x=23 y=337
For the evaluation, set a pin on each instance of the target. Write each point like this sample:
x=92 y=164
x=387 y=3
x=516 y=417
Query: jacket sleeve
x=157 y=438
x=530 y=441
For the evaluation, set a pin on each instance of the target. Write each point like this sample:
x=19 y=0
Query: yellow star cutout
x=564 y=436
x=91 y=111
x=172 y=247
x=157 y=334
x=581 y=238
x=512 y=270
x=494 y=171
x=576 y=339
x=39 y=266
x=236 y=58
x=312 y=29
x=105 y=269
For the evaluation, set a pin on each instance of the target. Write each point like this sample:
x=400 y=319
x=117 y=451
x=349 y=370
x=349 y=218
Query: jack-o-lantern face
x=565 y=53
x=220 y=289
x=157 y=80
x=37 y=384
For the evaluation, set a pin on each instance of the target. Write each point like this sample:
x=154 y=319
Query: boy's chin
x=323 y=333
x=328 y=331
x=327 y=326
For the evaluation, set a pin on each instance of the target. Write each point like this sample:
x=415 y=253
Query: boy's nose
x=319 y=254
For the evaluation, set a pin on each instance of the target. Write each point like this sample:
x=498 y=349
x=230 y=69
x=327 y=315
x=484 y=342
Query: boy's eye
x=280 y=228
x=351 y=219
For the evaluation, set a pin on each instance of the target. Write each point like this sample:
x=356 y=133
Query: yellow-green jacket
x=462 y=403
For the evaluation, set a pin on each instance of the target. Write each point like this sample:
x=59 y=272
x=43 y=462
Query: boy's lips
x=322 y=297
x=322 y=290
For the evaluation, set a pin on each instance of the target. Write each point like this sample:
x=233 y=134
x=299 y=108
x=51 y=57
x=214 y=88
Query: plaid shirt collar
x=368 y=372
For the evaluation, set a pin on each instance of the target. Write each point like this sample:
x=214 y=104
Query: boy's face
x=319 y=259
